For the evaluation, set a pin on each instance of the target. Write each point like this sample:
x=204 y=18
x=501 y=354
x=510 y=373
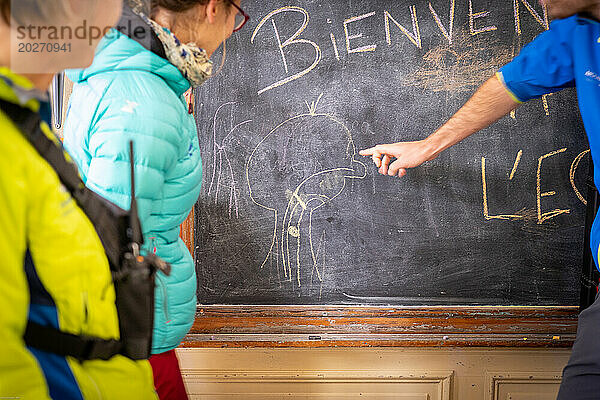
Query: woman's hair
x=176 y=5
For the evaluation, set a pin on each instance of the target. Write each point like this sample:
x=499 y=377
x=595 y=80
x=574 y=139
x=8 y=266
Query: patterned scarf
x=192 y=61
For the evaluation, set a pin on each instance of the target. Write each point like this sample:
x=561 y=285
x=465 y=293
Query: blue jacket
x=566 y=55
x=130 y=93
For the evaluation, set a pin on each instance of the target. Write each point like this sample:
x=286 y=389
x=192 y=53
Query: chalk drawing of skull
x=312 y=157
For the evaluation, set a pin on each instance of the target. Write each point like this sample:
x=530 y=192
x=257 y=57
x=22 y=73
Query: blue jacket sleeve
x=156 y=150
x=543 y=66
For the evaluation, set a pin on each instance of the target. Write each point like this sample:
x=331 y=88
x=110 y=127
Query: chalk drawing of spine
x=312 y=157
x=222 y=175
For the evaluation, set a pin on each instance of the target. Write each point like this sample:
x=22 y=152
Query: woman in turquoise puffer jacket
x=134 y=90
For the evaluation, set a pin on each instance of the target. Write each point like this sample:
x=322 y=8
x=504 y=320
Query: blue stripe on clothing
x=42 y=310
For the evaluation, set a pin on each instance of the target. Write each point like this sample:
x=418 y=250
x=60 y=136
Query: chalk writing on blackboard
x=541 y=20
x=292 y=40
x=311 y=231
x=572 y=171
x=222 y=170
x=545 y=103
x=541 y=216
x=293 y=208
x=446 y=32
x=486 y=212
x=516 y=164
x=335 y=48
x=349 y=37
x=414 y=37
x=476 y=24
x=473 y=16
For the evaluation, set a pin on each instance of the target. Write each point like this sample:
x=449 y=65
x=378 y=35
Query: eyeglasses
x=240 y=18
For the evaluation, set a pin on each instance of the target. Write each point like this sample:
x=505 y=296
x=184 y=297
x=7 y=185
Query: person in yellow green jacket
x=54 y=269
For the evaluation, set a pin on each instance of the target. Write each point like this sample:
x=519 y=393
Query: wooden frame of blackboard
x=238 y=326
x=364 y=326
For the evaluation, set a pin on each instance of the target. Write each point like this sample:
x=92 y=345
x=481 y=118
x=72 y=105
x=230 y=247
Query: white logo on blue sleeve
x=129 y=107
x=592 y=75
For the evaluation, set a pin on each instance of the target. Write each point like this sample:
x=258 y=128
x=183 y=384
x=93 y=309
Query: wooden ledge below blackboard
x=352 y=326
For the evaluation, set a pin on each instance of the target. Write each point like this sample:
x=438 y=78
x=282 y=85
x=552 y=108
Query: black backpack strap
x=82 y=347
x=100 y=212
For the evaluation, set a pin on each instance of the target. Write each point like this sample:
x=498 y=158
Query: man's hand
x=489 y=103
x=407 y=155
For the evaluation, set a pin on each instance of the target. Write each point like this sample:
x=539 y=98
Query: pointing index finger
x=367 y=152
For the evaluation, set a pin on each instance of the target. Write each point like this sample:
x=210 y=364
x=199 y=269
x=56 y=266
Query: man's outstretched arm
x=489 y=103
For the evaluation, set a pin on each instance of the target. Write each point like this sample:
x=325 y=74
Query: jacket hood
x=119 y=52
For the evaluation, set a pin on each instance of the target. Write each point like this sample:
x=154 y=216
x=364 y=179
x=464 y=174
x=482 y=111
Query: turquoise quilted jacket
x=130 y=93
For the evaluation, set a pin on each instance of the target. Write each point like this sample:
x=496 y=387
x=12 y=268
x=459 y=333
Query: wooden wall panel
x=373 y=373
x=404 y=385
x=510 y=385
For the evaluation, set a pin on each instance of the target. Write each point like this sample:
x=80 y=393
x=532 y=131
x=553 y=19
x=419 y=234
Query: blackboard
x=290 y=214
